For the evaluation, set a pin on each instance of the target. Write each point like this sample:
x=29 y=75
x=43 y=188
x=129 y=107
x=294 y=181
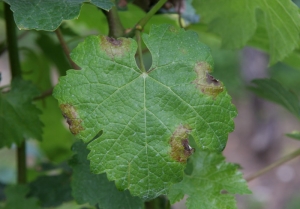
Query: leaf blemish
x=210 y=79
x=187 y=148
x=114 y=41
x=180 y=148
x=205 y=82
x=114 y=47
x=70 y=114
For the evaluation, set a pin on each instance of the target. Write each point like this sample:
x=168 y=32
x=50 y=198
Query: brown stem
x=44 y=94
x=12 y=44
x=3 y=45
x=140 y=25
x=15 y=67
x=274 y=165
x=179 y=14
x=116 y=28
x=140 y=53
x=65 y=48
x=21 y=163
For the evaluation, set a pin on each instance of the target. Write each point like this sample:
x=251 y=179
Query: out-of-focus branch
x=140 y=25
x=44 y=94
x=116 y=28
x=65 y=48
x=15 y=67
x=274 y=165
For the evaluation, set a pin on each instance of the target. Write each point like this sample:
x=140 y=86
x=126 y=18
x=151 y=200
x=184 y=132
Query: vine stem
x=274 y=165
x=44 y=94
x=3 y=46
x=140 y=52
x=66 y=48
x=115 y=26
x=179 y=13
x=15 y=67
x=21 y=160
x=12 y=44
x=140 y=25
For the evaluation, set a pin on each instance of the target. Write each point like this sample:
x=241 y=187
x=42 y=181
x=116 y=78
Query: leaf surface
x=236 y=22
x=19 y=118
x=271 y=90
x=95 y=188
x=48 y=14
x=211 y=183
x=16 y=198
x=145 y=117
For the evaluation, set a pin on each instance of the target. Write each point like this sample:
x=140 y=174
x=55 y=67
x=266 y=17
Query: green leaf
x=272 y=90
x=145 y=117
x=293 y=59
x=48 y=15
x=211 y=183
x=51 y=190
x=294 y=135
x=18 y=116
x=91 y=19
x=16 y=198
x=95 y=188
x=235 y=21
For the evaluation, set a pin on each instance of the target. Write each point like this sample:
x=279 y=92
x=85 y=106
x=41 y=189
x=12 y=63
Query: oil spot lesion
x=70 y=114
x=205 y=82
x=180 y=148
x=114 y=47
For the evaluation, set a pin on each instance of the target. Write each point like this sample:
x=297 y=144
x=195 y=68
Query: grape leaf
x=235 y=21
x=18 y=116
x=48 y=14
x=294 y=135
x=95 y=188
x=52 y=190
x=145 y=117
x=16 y=198
x=211 y=183
x=271 y=90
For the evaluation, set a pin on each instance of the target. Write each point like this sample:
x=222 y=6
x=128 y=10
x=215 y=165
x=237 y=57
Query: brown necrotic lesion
x=180 y=148
x=70 y=114
x=205 y=82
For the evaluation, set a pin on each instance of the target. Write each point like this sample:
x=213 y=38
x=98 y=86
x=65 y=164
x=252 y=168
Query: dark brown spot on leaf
x=187 y=148
x=71 y=116
x=114 y=41
x=210 y=79
x=205 y=82
x=180 y=148
x=224 y=192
